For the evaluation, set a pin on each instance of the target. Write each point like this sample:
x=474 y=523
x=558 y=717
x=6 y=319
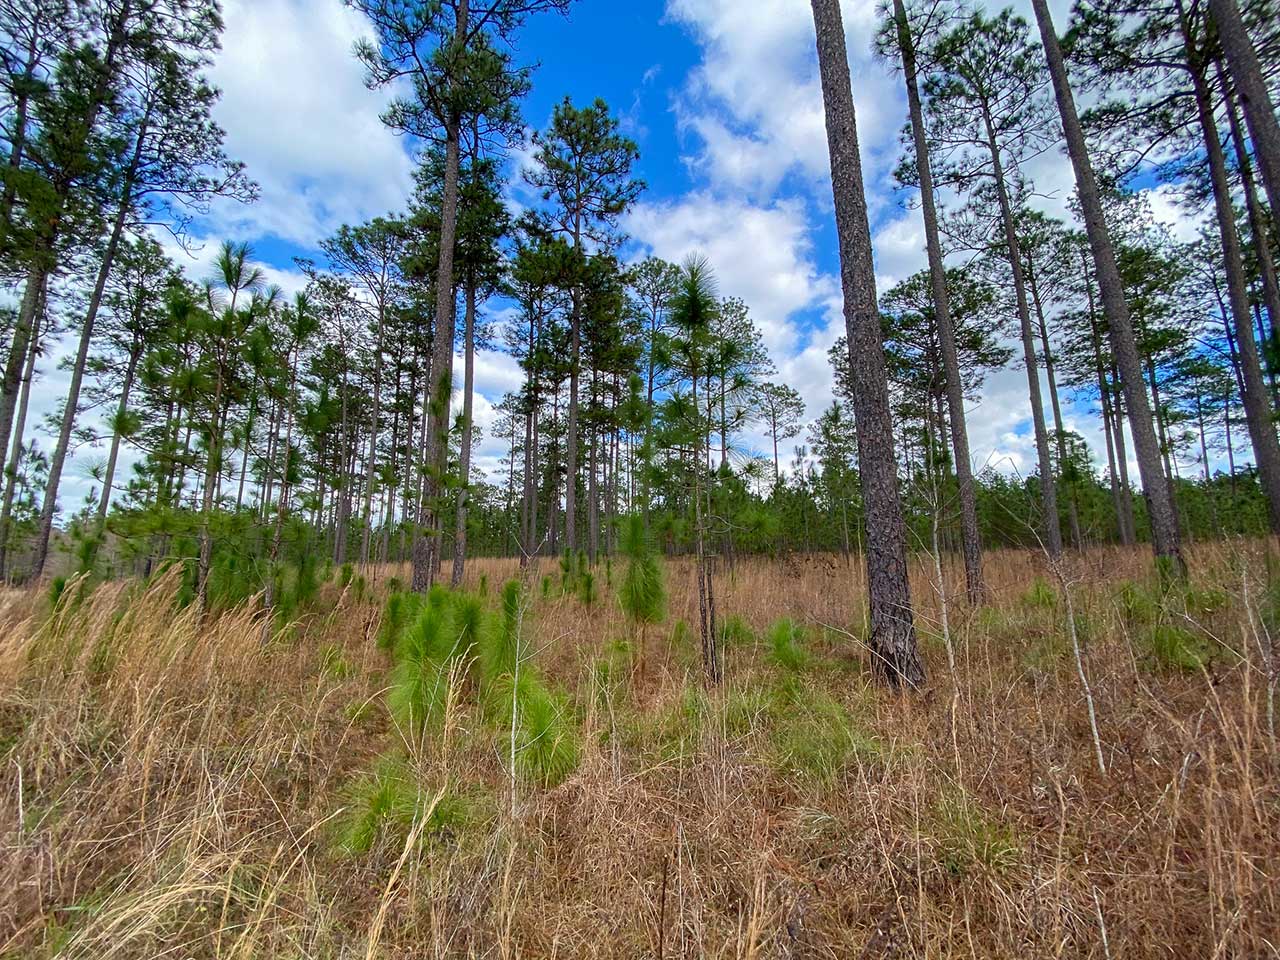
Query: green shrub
x=1137 y=605
x=1039 y=596
x=587 y=588
x=419 y=682
x=1176 y=648
x=401 y=609
x=546 y=743
x=967 y=838
x=387 y=800
x=498 y=649
x=785 y=650
x=815 y=738
x=1203 y=601
x=643 y=593
x=389 y=803
x=734 y=632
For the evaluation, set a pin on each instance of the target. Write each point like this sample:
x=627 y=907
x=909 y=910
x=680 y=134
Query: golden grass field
x=176 y=788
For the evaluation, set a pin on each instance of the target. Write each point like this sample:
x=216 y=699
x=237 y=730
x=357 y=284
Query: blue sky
x=722 y=97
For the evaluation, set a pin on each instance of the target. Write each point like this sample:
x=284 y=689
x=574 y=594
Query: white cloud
x=755 y=104
x=761 y=254
x=296 y=111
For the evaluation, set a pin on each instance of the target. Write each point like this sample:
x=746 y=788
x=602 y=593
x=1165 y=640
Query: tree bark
x=367 y=533
x=32 y=297
x=896 y=659
x=1164 y=525
x=440 y=390
x=970 y=539
x=1257 y=219
x=1048 y=487
x=464 y=458
x=15 y=455
x=1257 y=408
x=1259 y=111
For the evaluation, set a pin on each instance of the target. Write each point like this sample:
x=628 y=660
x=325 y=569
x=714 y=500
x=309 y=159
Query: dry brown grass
x=170 y=786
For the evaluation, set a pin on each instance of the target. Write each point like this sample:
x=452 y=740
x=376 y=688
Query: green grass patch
x=968 y=838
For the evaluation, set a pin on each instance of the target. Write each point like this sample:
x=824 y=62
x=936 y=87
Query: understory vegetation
x=527 y=767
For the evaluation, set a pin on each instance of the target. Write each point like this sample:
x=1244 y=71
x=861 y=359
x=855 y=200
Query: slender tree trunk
x=441 y=390
x=43 y=258
x=1266 y=450
x=248 y=442
x=593 y=469
x=23 y=334
x=269 y=595
x=970 y=539
x=56 y=464
x=342 y=511
x=1159 y=497
x=1259 y=111
x=1104 y=397
x=571 y=440
x=126 y=388
x=211 y=469
x=896 y=659
x=367 y=534
x=464 y=458
x=1122 y=456
x=1257 y=220
x=1048 y=486
x=1060 y=430
x=14 y=463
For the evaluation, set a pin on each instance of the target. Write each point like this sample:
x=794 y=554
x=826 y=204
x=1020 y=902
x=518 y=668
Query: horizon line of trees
x=266 y=434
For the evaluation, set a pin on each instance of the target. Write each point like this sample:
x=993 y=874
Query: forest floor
x=173 y=788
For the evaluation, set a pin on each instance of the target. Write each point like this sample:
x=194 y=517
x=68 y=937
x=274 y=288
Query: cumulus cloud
x=762 y=254
x=296 y=111
x=754 y=104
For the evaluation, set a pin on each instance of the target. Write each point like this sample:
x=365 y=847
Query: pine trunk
x=1159 y=497
x=1048 y=487
x=896 y=659
x=464 y=459
x=1259 y=111
x=970 y=539
x=1257 y=408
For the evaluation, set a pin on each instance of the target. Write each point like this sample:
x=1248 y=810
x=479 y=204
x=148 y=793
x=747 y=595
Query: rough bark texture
x=32 y=296
x=1257 y=216
x=896 y=659
x=970 y=540
x=1259 y=112
x=464 y=460
x=1164 y=525
x=1257 y=408
x=440 y=387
